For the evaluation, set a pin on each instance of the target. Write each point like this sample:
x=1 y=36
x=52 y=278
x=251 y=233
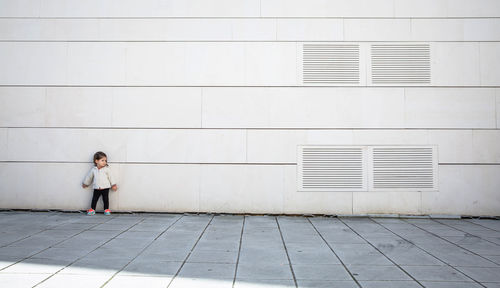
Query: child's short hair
x=99 y=155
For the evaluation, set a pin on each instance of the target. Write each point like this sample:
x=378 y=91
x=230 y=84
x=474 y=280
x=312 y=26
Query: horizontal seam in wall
x=151 y=163
x=243 y=41
x=212 y=163
x=246 y=128
x=254 y=17
x=233 y=86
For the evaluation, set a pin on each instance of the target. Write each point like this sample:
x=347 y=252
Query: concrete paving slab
x=253 y=283
x=37 y=266
x=430 y=284
x=321 y=272
x=326 y=284
x=372 y=273
x=138 y=281
x=150 y=267
x=435 y=273
x=264 y=270
x=181 y=282
x=75 y=250
x=75 y=281
x=213 y=256
x=389 y=284
x=208 y=270
x=482 y=274
x=491 y=285
x=19 y=280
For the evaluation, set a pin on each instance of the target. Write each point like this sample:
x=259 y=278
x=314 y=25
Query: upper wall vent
x=400 y=64
x=330 y=64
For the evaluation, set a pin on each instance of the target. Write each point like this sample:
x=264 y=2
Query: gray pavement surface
x=54 y=249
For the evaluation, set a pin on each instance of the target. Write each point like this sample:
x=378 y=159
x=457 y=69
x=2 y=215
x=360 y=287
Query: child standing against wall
x=101 y=180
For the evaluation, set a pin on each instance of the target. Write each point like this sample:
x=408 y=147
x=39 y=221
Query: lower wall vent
x=367 y=168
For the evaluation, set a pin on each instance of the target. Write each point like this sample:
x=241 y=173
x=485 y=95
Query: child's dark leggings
x=105 y=199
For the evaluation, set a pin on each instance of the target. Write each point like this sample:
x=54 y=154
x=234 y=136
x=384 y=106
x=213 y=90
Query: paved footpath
x=52 y=249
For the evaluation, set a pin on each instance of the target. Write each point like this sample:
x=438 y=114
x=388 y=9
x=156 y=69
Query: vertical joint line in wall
x=201 y=107
x=496 y=94
x=45 y=120
x=39 y=8
x=404 y=108
x=421 y=197
x=367 y=58
x=200 y=174
x=352 y=203
x=343 y=29
x=479 y=63
x=112 y=109
x=276 y=30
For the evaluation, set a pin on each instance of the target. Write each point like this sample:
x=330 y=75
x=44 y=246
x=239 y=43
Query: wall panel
x=465 y=190
x=455 y=64
x=22 y=106
x=449 y=108
x=242 y=188
x=33 y=63
x=127 y=145
x=377 y=29
x=250 y=29
x=310 y=29
x=327 y=8
x=150 y=8
x=408 y=203
x=156 y=107
x=490 y=63
x=302 y=107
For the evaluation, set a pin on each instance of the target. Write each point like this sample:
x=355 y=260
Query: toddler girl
x=101 y=180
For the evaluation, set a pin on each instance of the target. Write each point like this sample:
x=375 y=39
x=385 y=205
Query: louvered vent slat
x=403 y=168
x=400 y=64
x=331 y=169
x=330 y=64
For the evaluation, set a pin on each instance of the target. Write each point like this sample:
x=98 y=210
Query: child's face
x=101 y=162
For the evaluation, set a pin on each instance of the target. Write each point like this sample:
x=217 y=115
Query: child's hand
x=85 y=186
x=114 y=187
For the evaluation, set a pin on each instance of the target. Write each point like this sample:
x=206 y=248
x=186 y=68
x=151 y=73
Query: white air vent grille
x=403 y=168
x=331 y=168
x=330 y=64
x=400 y=64
x=367 y=168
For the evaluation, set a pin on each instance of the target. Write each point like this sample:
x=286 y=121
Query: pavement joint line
x=286 y=251
x=416 y=245
x=57 y=243
x=434 y=234
x=191 y=251
x=375 y=247
x=142 y=251
x=328 y=244
x=481 y=225
x=239 y=251
x=93 y=249
x=468 y=233
x=5 y=245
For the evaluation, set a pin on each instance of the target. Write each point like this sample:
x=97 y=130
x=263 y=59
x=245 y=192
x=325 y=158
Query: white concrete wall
x=200 y=104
